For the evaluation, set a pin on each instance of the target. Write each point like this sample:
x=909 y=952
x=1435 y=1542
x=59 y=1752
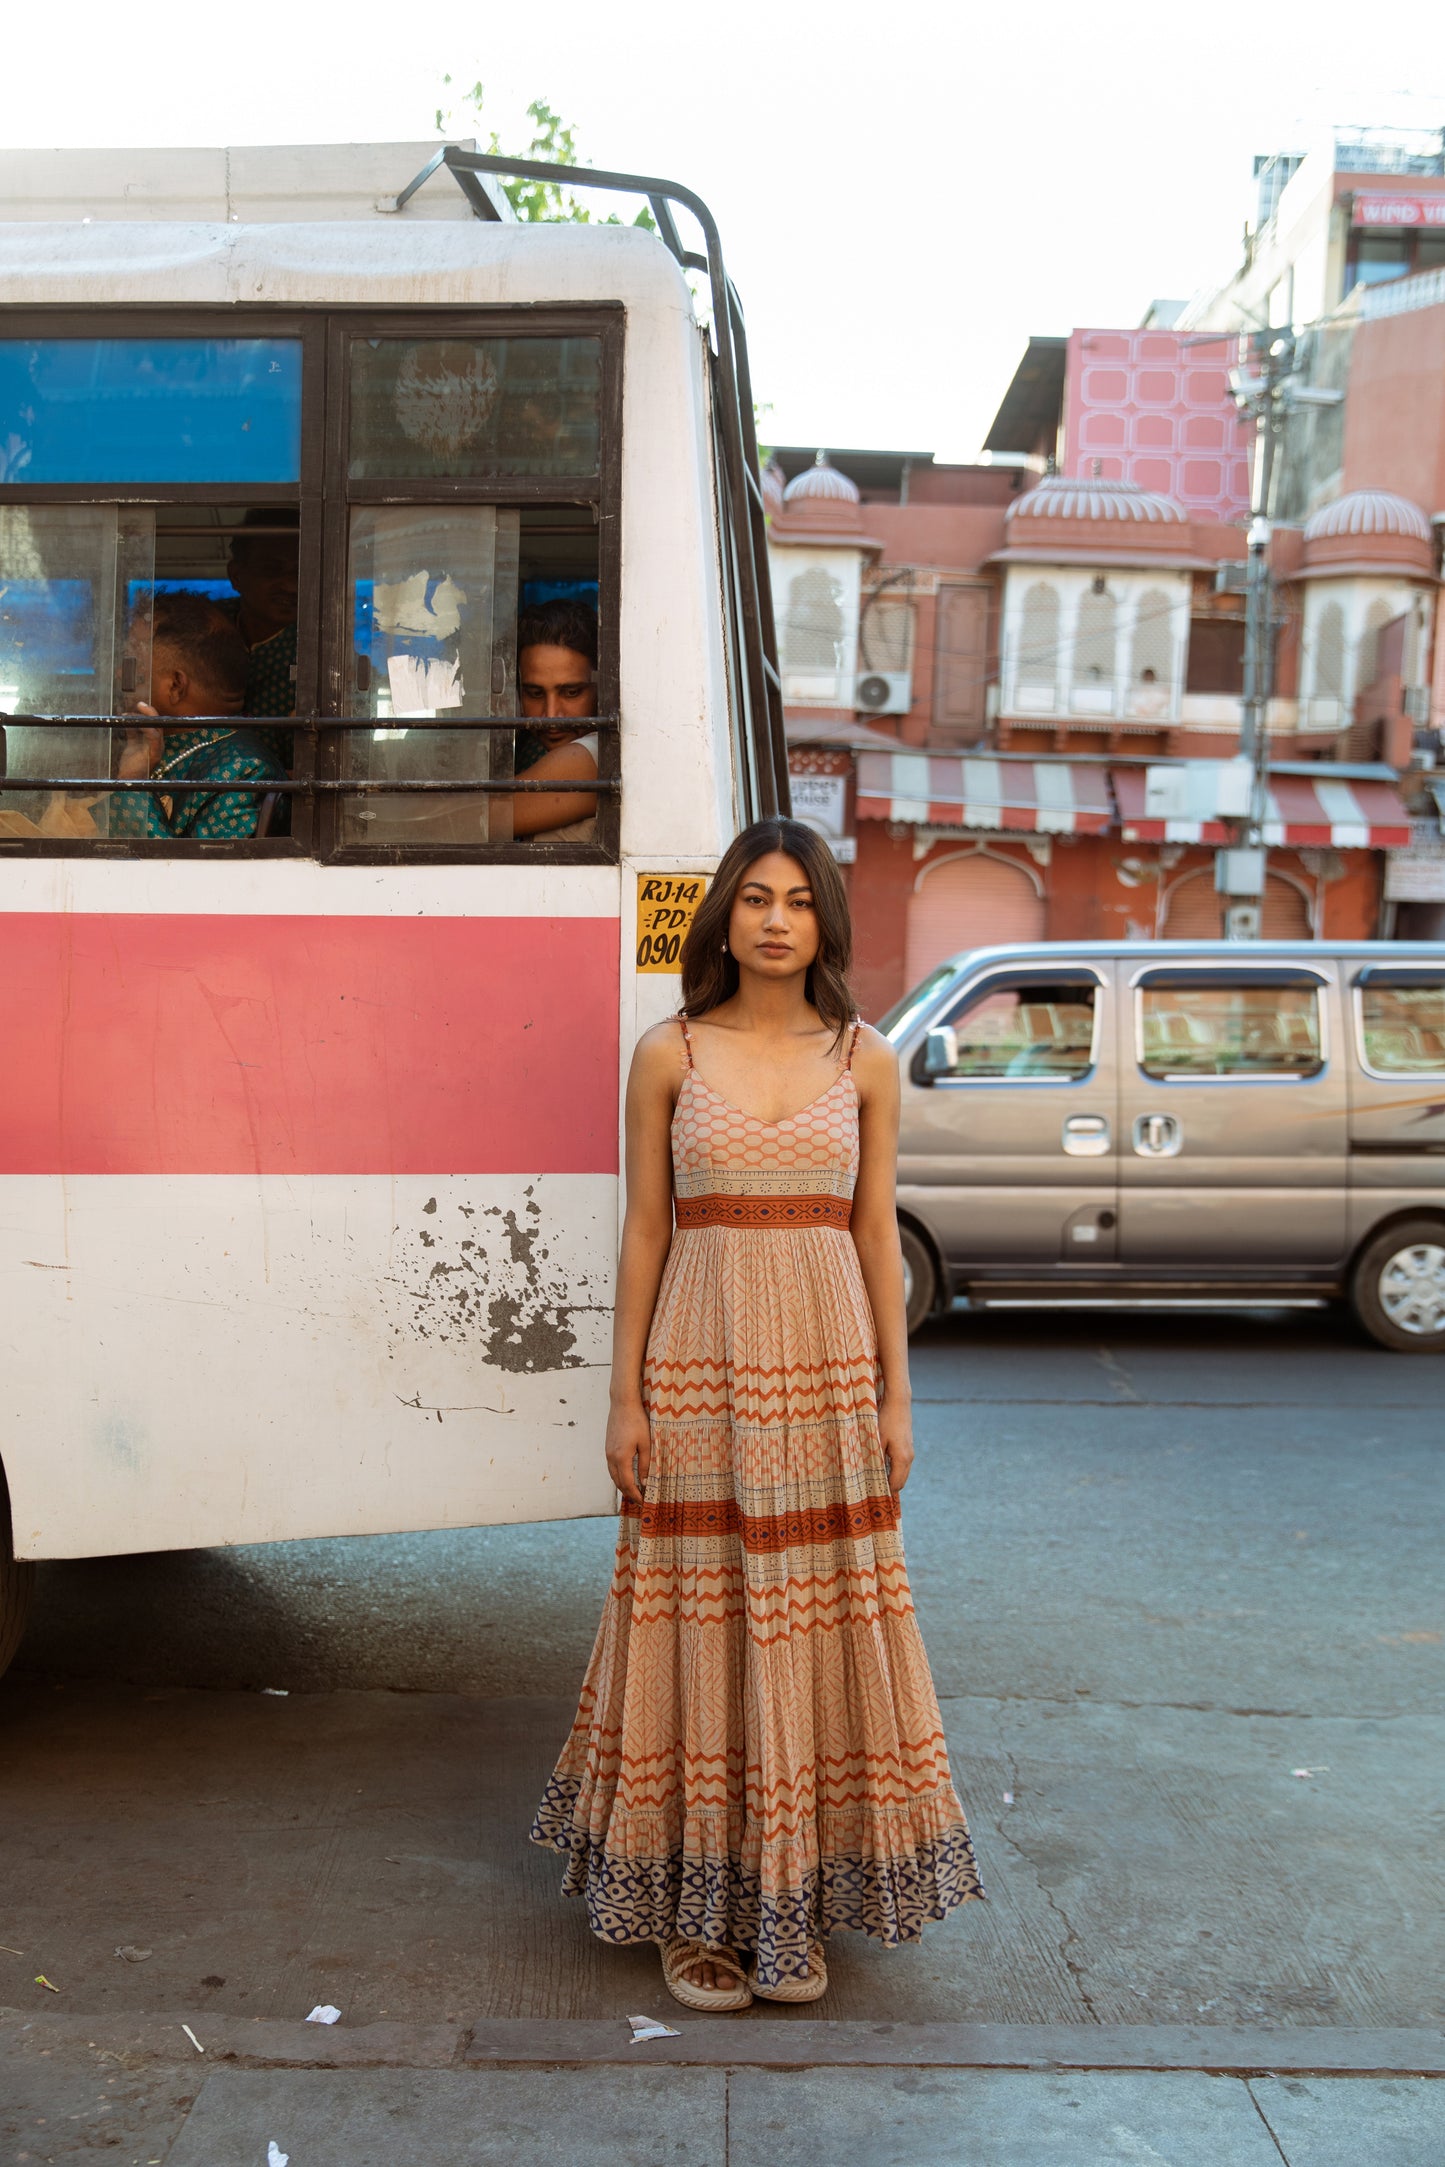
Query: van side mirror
x=940 y=1052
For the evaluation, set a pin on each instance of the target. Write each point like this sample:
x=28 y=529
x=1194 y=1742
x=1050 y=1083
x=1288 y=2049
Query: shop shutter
x=1286 y=912
x=1194 y=912
x=970 y=902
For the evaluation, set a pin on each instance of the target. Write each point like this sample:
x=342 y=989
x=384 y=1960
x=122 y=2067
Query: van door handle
x=1157 y=1136
x=1086 y=1136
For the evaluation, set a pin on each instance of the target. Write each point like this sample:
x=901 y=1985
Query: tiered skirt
x=758 y=1757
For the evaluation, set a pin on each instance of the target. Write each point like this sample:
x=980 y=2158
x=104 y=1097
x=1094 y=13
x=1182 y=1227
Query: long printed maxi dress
x=757 y=1755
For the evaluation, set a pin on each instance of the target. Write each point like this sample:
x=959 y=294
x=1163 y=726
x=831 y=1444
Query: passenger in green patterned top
x=198 y=668
x=263 y=570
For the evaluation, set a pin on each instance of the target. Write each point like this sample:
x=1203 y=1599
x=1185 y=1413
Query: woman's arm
x=875 y=1237
x=652 y=1087
x=534 y=811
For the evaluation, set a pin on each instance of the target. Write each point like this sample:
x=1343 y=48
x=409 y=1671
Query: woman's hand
x=895 y=1434
x=629 y=1450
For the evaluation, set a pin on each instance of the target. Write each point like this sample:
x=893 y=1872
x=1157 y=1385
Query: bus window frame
x=325 y=496
x=601 y=493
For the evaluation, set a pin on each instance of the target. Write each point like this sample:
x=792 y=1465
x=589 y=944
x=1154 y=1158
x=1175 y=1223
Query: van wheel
x=920 y=1278
x=17 y=1584
x=1398 y=1287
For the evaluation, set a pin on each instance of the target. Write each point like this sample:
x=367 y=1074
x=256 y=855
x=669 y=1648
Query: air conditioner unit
x=884 y=692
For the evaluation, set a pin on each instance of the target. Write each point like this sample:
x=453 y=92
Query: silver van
x=1205 y=1124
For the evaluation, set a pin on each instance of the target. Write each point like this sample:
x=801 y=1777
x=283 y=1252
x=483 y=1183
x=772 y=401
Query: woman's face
x=773 y=929
x=559 y=692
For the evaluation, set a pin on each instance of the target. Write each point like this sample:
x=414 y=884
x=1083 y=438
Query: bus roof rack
x=752 y=641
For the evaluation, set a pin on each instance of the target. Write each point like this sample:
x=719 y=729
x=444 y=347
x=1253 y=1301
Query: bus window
x=436 y=587
x=65 y=573
x=156 y=410
x=475 y=408
x=434 y=606
x=373 y=553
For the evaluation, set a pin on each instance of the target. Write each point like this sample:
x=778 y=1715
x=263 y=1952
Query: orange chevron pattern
x=757 y=1756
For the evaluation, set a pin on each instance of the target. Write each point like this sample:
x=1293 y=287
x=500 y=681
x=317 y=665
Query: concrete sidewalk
x=68 y=2098
x=370 y=1849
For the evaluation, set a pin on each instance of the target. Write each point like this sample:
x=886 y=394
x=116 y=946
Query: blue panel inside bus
x=537 y=591
x=150 y=410
x=49 y=625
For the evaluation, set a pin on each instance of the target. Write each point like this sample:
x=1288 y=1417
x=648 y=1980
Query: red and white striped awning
x=1043 y=797
x=1303 y=809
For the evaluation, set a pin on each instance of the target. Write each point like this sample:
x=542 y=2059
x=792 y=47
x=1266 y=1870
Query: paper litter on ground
x=130 y=1954
x=649 y=2028
x=275 y=2157
x=323 y=2013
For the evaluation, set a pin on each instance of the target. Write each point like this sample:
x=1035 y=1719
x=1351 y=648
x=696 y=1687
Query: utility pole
x=1268 y=392
x=1240 y=870
x=1269 y=411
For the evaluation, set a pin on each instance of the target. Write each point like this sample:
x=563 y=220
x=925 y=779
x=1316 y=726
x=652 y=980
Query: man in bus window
x=263 y=569
x=557 y=682
x=198 y=669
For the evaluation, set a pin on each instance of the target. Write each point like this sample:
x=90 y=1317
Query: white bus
x=309 y=1133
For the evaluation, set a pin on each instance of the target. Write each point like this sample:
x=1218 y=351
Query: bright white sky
x=904 y=193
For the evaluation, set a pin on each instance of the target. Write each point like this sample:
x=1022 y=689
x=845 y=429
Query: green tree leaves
x=554 y=140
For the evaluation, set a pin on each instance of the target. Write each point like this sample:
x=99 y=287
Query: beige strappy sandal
x=678 y=1955
x=811 y=1988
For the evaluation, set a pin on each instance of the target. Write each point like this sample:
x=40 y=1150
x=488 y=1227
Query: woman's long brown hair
x=710 y=973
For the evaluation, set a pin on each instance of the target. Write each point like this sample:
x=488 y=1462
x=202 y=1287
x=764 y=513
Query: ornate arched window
x=1037 y=675
x=813 y=622
x=1367 y=661
x=1094 y=651
x=1151 y=668
x=1328 y=677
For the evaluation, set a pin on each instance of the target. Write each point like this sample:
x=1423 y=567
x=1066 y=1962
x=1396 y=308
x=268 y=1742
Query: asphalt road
x=1180 y=1583
x=1236 y=1512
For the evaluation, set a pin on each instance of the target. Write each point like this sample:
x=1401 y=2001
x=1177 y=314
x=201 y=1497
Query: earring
x=724 y=947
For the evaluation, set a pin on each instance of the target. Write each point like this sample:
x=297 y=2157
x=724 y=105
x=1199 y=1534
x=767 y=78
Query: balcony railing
x=1417 y=151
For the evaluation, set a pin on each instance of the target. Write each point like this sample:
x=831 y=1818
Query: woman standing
x=758 y=1759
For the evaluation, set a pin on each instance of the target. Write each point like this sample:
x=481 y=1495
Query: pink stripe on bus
x=232 y=1045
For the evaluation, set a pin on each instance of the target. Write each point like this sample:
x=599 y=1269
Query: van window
x=1206 y=1029
x=1028 y=1028
x=1403 y=1028
x=896 y=1022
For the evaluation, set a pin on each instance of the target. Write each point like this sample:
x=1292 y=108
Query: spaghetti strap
x=686 y=1037
x=852 y=1045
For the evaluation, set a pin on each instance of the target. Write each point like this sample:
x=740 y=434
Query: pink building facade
x=1153 y=407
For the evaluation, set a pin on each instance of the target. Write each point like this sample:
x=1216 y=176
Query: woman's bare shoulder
x=874 y=1061
x=660 y=1051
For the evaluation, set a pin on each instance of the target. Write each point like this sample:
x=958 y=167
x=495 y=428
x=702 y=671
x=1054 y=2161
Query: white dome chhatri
x=821 y=483
x=1369 y=512
x=1073 y=496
